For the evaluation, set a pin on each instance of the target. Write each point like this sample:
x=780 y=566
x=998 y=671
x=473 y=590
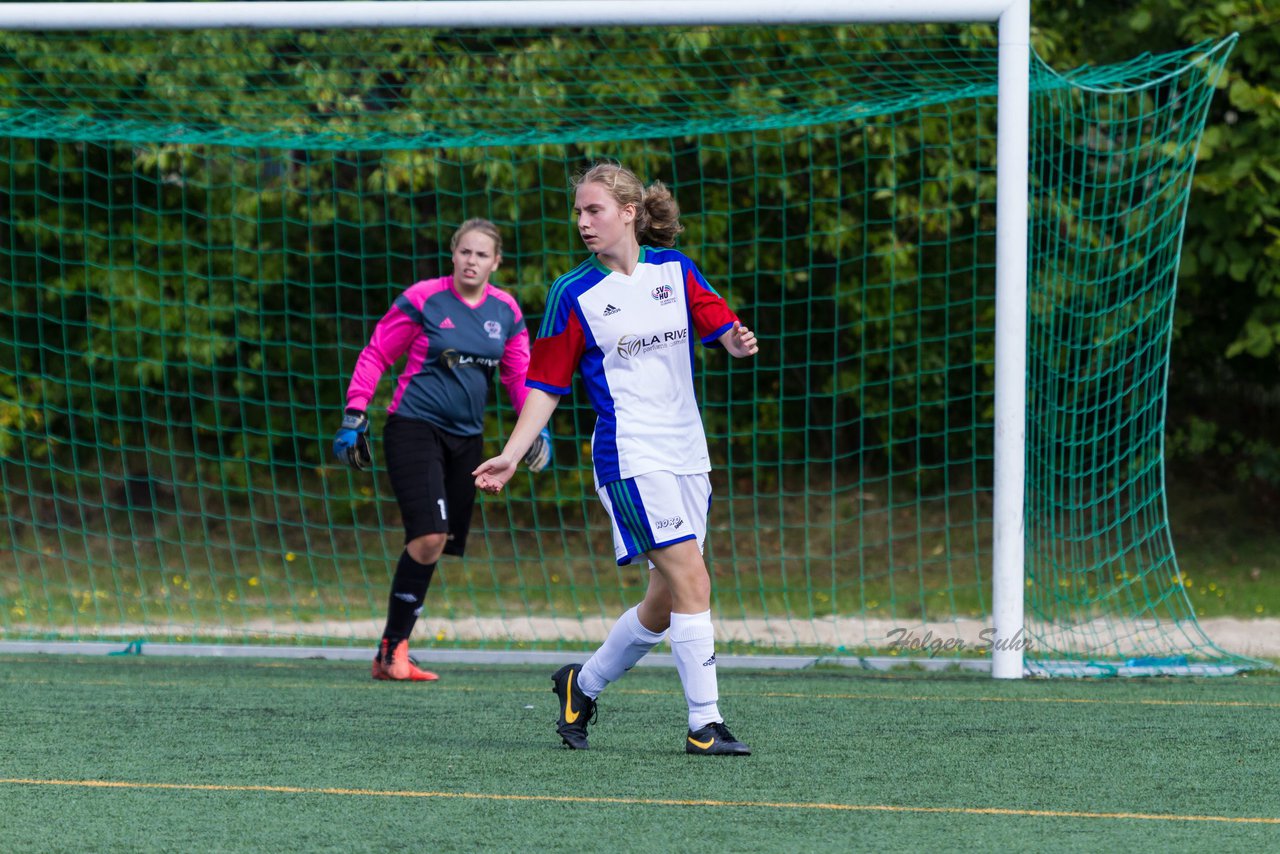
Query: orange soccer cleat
x=396 y=666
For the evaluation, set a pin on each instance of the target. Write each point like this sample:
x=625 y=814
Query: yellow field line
x=1243 y=704
x=661 y=802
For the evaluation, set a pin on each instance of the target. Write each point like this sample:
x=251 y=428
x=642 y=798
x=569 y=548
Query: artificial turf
x=219 y=754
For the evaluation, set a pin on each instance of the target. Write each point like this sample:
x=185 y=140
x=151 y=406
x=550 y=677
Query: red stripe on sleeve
x=555 y=358
x=710 y=312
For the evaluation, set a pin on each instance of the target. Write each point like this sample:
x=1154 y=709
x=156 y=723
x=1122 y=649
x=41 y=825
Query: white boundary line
x=464 y=656
x=551 y=658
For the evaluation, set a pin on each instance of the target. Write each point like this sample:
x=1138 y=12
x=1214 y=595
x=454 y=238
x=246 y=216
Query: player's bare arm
x=739 y=341
x=493 y=473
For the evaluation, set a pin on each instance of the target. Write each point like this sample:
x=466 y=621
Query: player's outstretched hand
x=494 y=473
x=539 y=454
x=740 y=341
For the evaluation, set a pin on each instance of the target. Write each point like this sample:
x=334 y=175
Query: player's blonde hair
x=657 y=214
x=484 y=227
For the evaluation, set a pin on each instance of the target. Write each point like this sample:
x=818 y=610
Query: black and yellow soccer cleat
x=576 y=708
x=714 y=740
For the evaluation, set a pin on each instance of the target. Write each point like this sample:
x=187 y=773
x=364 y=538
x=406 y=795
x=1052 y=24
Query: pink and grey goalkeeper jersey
x=632 y=337
x=453 y=349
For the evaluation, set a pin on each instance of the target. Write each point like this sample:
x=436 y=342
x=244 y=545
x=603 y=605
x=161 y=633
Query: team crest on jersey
x=663 y=294
x=494 y=328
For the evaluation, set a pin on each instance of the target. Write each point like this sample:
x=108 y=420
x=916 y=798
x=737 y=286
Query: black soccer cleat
x=576 y=708
x=714 y=740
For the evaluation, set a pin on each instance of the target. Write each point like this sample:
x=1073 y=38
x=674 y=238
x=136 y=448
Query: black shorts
x=431 y=476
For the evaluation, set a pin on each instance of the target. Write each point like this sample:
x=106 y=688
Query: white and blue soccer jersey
x=633 y=338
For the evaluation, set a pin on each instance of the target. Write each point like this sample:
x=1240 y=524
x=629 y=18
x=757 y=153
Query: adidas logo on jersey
x=447 y=323
x=611 y=309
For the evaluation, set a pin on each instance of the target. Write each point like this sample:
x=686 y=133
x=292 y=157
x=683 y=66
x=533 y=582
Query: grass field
x=149 y=754
x=1228 y=545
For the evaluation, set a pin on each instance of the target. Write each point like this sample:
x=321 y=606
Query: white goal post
x=1012 y=155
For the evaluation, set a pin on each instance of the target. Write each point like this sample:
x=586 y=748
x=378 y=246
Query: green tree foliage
x=193 y=277
x=236 y=210
x=1225 y=378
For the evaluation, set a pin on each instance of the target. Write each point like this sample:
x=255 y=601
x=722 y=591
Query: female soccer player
x=627 y=318
x=455 y=330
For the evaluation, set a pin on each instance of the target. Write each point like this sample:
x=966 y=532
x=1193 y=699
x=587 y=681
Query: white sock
x=627 y=643
x=693 y=645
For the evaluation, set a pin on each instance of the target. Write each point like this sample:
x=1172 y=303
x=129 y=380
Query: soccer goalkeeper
x=627 y=319
x=455 y=331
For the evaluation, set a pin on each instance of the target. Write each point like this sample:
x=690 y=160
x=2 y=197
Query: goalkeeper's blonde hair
x=484 y=227
x=657 y=214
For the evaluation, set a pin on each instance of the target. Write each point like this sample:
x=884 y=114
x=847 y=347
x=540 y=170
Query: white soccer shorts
x=655 y=510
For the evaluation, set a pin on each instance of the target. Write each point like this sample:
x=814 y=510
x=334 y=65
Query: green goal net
x=201 y=228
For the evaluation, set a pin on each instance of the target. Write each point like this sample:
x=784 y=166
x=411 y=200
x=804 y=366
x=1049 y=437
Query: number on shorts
x=444 y=514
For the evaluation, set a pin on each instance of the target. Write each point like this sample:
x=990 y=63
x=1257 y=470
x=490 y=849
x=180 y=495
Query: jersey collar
x=457 y=294
x=600 y=265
